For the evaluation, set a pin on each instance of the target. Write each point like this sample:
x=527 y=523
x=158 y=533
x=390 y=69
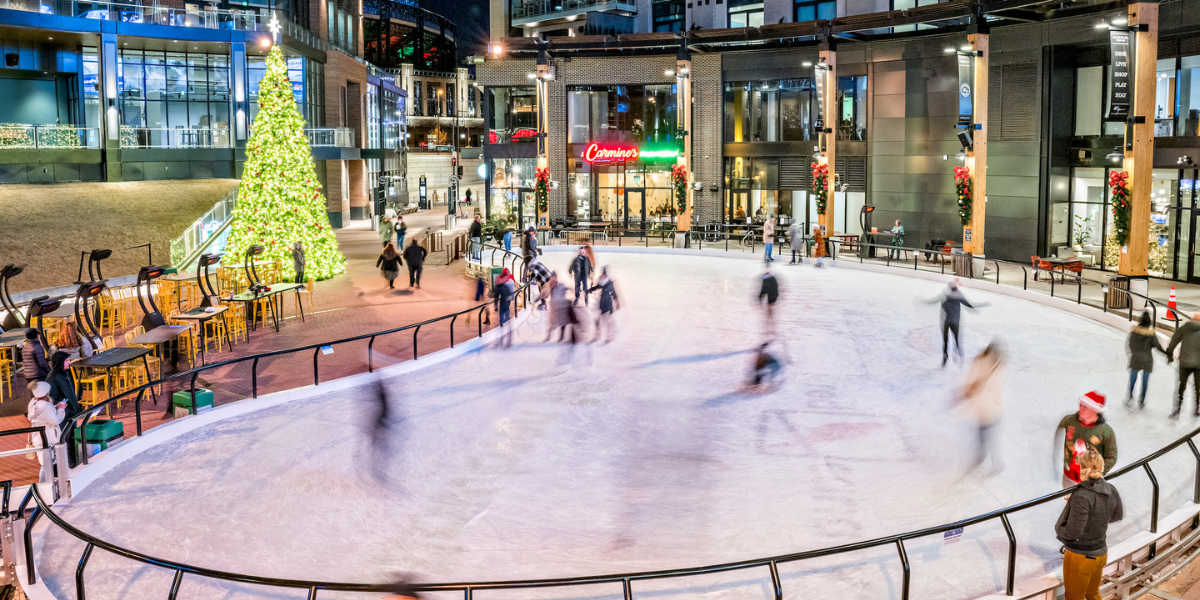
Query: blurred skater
x=766 y=366
x=559 y=308
x=386 y=229
x=818 y=246
x=952 y=304
x=504 y=292
x=982 y=397
x=769 y=292
x=539 y=275
x=608 y=304
x=1142 y=343
x=581 y=271
x=402 y=587
x=1083 y=529
x=1187 y=337
x=1086 y=430
x=380 y=432
x=795 y=239
x=481 y=292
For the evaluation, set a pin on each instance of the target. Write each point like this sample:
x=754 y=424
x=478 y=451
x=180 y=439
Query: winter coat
x=769 y=231
x=476 y=229
x=770 y=289
x=504 y=294
x=983 y=393
x=415 y=255
x=388 y=265
x=42 y=413
x=528 y=244
x=952 y=307
x=608 y=294
x=1141 y=346
x=1187 y=337
x=386 y=229
x=581 y=268
x=1083 y=525
x=33 y=357
x=794 y=236
x=298 y=260
x=559 y=307
x=62 y=389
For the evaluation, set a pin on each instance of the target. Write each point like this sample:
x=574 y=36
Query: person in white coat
x=982 y=398
x=44 y=413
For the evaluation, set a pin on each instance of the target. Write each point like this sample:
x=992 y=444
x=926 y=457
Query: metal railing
x=155 y=137
x=186 y=248
x=539 y=8
x=335 y=137
x=625 y=580
x=48 y=136
x=28 y=6
x=301 y=34
x=241 y=20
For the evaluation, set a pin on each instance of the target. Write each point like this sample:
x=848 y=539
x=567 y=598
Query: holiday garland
x=679 y=181
x=962 y=187
x=279 y=197
x=541 y=190
x=820 y=185
x=1118 y=184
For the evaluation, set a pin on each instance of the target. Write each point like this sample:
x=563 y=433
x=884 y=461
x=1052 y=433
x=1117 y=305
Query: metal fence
x=162 y=137
x=199 y=235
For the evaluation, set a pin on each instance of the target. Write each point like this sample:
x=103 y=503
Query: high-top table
x=111 y=359
x=201 y=315
x=272 y=296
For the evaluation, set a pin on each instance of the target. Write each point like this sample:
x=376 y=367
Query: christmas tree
x=279 y=198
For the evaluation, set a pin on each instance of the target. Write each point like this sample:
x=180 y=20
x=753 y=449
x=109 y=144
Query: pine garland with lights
x=1118 y=184
x=962 y=188
x=820 y=185
x=279 y=197
x=541 y=189
x=679 y=181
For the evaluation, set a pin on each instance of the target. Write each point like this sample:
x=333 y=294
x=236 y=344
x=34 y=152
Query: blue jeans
x=1133 y=382
x=769 y=246
x=399 y=242
x=475 y=248
x=508 y=241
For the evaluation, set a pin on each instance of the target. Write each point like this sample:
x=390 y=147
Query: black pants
x=1184 y=374
x=581 y=289
x=948 y=327
x=300 y=276
x=414 y=274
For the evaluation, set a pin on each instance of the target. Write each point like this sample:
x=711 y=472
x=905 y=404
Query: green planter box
x=182 y=401
x=102 y=432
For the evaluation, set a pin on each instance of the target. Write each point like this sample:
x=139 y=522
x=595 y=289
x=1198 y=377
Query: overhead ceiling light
x=962 y=155
x=1102 y=24
x=531 y=75
x=684 y=70
x=950 y=50
x=807 y=63
x=1116 y=156
x=966 y=48
x=1120 y=21
x=668 y=72
x=818 y=155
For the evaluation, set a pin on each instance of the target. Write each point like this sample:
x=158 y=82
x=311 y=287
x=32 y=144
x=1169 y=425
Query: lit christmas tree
x=279 y=198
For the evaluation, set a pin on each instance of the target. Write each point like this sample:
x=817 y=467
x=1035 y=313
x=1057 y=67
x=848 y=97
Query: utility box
x=100 y=434
x=181 y=401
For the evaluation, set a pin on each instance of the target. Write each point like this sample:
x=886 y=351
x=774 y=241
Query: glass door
x=739 y=206
x=635 y=208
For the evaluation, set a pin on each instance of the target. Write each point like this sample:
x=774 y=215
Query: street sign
x=453 y=180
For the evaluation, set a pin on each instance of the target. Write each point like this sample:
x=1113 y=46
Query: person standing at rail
x=1083 y=431
x=1083 y=529
x=1142 y=343
x=1187 y=337
x=529 y=247
x=476 y=235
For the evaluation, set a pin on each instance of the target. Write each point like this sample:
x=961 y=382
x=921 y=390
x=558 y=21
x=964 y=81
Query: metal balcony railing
x=241 y=20
x=48 y=136
x=37 y=6
x=330 y=137
x=543 y=8
x=152 y=137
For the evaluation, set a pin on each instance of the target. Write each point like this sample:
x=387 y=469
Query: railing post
x=31 y=572
x=371 y=353
x=452 y=320
x=137 y=410
x=775 y=581
x=254 y=377
x=316 y=373
x=1009 y=582
x=907 y=569
x=1195 y=453
x=175 y=585
x=479 y=318
x=312 y=593
x=415 y=332
x=625 y=587
x=83 y=449
x=1153 y=501
x=83 y=561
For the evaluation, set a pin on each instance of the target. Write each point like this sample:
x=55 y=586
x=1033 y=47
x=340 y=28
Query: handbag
x=29 y=446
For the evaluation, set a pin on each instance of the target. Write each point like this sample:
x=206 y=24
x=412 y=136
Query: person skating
x=539 y=275
x=769 y=291
x=1083 y=529
x=795 y=239
x=1142 y=343
x=386 y=229
x=476 y=235
x=559 y=308
x=1086 y=430
x=581 y=271
x=982 y=398
x=389 y=263
x=766 y=365
x=504 y=291
x=952 y=304
x=1187 y=338
x=769 y=238
x=415 y=255
x=608 y=304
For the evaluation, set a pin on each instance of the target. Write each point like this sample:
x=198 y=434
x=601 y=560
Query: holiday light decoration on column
x=962 y=188
x=1118 y=185
x=679 y=181
x=541 y=189
x=279 y=198
x=820 y=185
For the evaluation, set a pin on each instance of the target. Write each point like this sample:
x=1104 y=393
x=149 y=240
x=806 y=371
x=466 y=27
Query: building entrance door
x=635 y=208
x=739 y=205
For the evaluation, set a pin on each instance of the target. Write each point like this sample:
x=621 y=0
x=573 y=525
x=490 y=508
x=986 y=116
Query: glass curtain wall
x=511 y=188
x=174 y=99
x=512 y=115
x=621 y=113
x=752 y=190
x=632 y=196
x=770 y=111
x=308 y=86
x=1083 y=226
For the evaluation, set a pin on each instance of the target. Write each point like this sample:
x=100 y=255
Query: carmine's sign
x=595 y=153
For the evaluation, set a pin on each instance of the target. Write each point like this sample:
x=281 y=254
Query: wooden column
x=683 y=78
x=829 y=57
x=1139 y=162
x=977 y=157
x=543 y=160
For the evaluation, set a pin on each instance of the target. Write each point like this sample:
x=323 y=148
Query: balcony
x=241 y=20
x=38 y=137
x=37 y=6
x=534 y=11
x=331 y=137
x=151 y=137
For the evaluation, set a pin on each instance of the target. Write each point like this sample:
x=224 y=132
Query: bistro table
x=160 y=336
x=202 y=315
x=1060 y=264
x=13 y=340
x=179 y=279
x=271 y=295
x=112 y=358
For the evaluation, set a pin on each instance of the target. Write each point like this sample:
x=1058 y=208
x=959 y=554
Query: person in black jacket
x=415 y=255
x=769 y=291
x=581 y=270
x=608 y=303
x=1083 y=529
x=476 y=235
x=1142 y=343
x=388 y=264
x=952 y=304
x=62 y=386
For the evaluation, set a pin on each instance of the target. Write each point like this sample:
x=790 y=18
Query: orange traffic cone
x=1171 y=305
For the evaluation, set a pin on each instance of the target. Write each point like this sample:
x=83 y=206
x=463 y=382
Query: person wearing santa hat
x=1086 y=430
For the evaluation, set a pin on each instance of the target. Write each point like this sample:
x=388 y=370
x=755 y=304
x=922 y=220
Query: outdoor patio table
x=272 y=296
x=112 y=358
x=202 y=314
x=160 y=336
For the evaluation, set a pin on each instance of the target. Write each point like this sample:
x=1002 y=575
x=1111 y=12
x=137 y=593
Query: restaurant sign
x=596 y=153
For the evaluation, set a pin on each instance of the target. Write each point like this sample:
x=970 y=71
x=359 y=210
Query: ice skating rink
x=647 y=453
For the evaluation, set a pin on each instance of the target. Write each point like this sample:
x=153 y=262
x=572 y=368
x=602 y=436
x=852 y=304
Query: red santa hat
x=1093 y=400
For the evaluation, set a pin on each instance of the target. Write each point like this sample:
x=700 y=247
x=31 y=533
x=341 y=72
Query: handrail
x=624 y=578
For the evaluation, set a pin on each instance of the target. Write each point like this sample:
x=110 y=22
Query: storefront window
x=512 y=116
x=753 y=185
x=635 y=194
x=852 y=105
x=1189 y=96
x=745 y=13
x=1087 y=217
x=771 y=111
x=1164 y=98
x=1164 y=192
x=512 y=190
x=621 y=113
x=163 y=91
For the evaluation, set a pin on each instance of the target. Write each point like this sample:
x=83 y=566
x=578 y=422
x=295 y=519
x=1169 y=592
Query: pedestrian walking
x=401 y=231
x=559 y=308
x=508 y=239
x=1086 y=430
x=33 y=357
x=504 y=291
x=769 y=291
x=982 y=398
x=1142 y=342
x=415 y=255
x=389 y=263
x=581 y=272
x=1187 y=338
x=476 y=235
x=952 y=303
x=769 y=238
x=897 y=240
x=386 y=229
x=1083 y=529
x=795 y=239
x=608 y=304
x=41 y=412
x=298 y=262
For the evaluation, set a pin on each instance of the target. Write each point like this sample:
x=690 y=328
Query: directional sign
x=453 y=179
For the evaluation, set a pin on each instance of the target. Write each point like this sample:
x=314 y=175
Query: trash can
x=1118 y=299
x=964 y=265
x=101 y=433
x=181 y=401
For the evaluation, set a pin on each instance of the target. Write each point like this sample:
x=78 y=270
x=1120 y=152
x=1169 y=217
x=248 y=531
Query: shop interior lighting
x=531 y=75
x=1102 y=25
x=1119 y=21
x=962 y=155
x=807 y=63
x=966 y=48
x=1116 y=156
x=668 y=72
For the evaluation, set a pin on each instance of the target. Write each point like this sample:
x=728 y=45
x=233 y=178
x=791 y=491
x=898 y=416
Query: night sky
x=471 y=19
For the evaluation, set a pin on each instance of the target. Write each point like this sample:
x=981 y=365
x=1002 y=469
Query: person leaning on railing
x=1083 y=529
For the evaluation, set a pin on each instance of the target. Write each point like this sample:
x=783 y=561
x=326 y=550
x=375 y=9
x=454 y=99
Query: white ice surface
x=508 y=464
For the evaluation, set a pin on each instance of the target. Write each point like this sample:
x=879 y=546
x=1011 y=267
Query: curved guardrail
x=624 y=579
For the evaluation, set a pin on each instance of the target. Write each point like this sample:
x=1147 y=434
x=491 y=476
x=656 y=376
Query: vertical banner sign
x=966 y=94
x=1119 y=93
x=819 y=78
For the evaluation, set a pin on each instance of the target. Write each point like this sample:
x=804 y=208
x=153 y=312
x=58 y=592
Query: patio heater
x=93 y=264
x=40 y=306
x=252 y=273
x=88 y=291
x=154 y=317
x=864 y=218
x=206 y=288
x=14 y=319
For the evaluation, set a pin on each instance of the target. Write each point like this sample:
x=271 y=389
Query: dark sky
x=471 y=19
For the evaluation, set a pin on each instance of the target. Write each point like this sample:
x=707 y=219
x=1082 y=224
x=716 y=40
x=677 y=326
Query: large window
x=621 y=113
x=811 y=10
x=308 y=86
x=374 y=125
x=176 y=91
x=852 y=108
x=636 y=195
x=769 y=111
x=745 y=13
x=512 y=114
x=668 y=15
x=432 y=104
x=417 y=106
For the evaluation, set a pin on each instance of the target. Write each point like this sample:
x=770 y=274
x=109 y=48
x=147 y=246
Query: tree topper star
x=274 y=26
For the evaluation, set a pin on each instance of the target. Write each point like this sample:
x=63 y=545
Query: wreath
x=962 y=186
x=541 y=190
x=820 y=185
x=1118 y=184
x=679 y=181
